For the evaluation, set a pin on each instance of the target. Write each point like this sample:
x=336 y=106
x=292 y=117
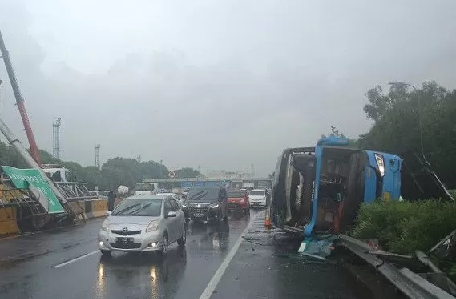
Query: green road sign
x=21 y=178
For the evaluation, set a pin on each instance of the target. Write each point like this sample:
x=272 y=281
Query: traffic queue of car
x=147 y=222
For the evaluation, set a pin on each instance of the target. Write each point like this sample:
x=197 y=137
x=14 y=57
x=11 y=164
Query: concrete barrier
x=85 y=209
x=8 y=221
x=99 y=208
x=90 y=208
x=78 y=208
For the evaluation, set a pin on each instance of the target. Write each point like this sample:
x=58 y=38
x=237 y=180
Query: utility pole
x=56 y=138
x=97 y=156
x=20 y=102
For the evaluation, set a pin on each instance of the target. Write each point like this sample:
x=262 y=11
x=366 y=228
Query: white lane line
x=76 y=259
x=210 y=288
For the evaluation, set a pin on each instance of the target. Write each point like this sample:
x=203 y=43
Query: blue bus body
x=342 y=178
x=382 y=177
x=318 y=190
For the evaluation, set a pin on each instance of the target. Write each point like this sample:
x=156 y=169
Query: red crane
x=34 y=152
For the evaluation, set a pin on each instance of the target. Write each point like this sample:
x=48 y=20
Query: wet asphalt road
x=263 y=267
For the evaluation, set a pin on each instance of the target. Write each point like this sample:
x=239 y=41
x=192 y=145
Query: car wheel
x=106 y=253
x=164 y=249
x=181 y=242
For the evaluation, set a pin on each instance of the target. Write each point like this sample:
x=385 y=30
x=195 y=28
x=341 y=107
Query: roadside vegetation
x=396 y=124
x=404 y=227
x=113 y=173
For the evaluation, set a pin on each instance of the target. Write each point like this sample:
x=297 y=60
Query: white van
x=258 y=198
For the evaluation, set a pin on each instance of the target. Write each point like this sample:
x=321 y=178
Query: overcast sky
x=222 y=84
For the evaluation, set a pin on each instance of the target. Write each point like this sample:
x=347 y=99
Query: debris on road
x=318 y=247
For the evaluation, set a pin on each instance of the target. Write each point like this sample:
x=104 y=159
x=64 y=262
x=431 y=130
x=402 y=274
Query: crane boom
x=20 y=102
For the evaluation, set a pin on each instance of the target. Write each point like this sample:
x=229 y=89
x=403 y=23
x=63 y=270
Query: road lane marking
x=210 y=288
x=76 y=259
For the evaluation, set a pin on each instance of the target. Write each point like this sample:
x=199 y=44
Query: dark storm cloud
x=221 y=84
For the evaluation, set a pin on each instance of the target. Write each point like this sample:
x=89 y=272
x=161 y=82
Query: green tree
x=9 y=156
x=422 y=120
x=47 y=158
x=187 y=173
x=115 y=172
x=129 y=172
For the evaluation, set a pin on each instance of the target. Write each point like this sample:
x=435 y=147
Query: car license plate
x=124 y=240
x=198 y=215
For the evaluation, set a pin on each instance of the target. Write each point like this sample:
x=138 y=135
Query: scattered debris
x=318 y=247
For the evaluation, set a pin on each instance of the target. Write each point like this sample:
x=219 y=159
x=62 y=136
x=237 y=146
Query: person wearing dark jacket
x=111 y=200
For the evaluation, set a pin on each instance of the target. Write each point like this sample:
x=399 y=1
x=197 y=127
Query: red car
x=238 y=200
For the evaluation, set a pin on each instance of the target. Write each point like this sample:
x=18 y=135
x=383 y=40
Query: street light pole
x=396 y=83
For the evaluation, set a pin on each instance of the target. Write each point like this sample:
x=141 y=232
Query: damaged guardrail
x=411 y=284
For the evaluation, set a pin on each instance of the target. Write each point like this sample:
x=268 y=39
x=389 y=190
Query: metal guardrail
x=409 y=283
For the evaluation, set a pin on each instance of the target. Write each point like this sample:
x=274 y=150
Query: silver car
x=143 y=223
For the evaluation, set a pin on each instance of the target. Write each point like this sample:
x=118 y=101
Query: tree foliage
x=422 y=120
x=115 y=172
x=187 y=173
x=9 y=156
x=403 y=227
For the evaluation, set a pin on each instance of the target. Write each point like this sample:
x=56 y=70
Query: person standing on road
x=111 y=200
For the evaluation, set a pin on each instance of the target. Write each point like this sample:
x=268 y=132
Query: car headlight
x=153 y=226
x=380 y=163
x=105 y=226
x=214 y=205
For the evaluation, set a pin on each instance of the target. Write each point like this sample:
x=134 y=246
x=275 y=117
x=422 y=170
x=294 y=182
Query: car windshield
x=203 y=194
x=139 y=207
x=235 y=194
x=257 y=193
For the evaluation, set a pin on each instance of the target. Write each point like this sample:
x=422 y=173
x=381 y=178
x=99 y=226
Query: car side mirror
x=171 y=214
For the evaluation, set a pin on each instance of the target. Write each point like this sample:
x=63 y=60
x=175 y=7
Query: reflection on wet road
x=215 y=264
x=77 y=272
x=131 y=275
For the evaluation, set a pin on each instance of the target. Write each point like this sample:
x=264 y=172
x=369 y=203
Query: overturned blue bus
x=319 y=189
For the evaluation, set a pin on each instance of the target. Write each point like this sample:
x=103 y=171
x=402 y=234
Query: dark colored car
x=207 y=204
x=238 y=200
